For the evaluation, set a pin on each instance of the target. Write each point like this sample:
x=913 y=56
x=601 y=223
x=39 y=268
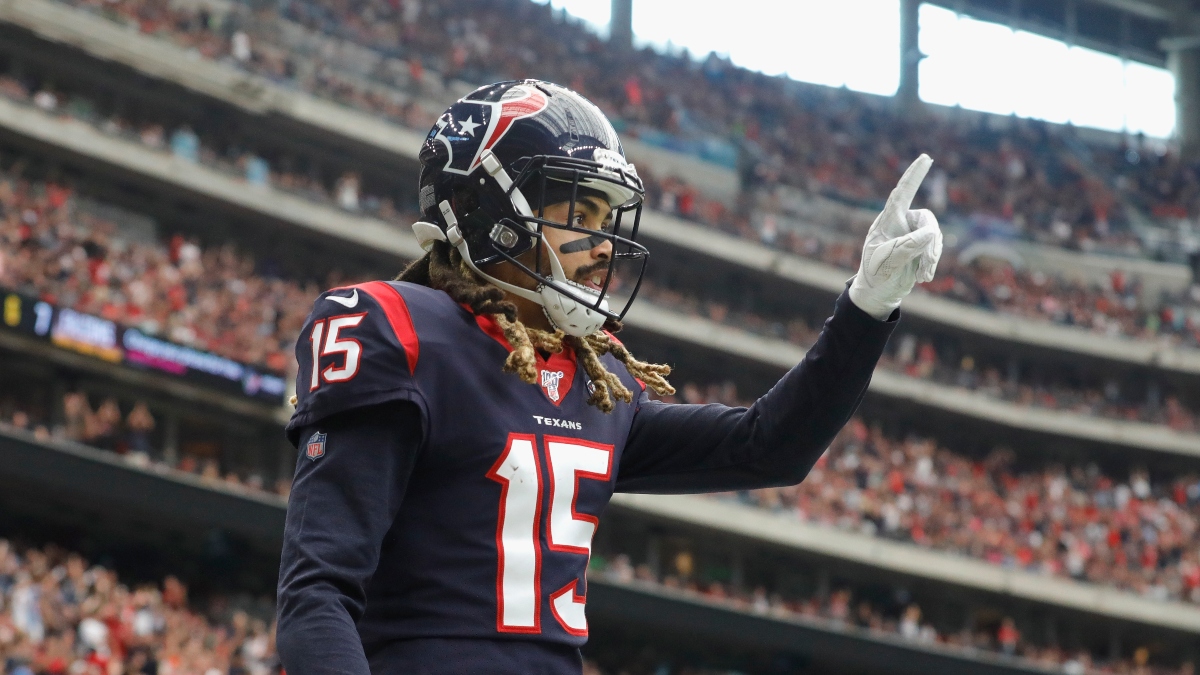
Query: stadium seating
x=1112 y=308
x=1033 y=171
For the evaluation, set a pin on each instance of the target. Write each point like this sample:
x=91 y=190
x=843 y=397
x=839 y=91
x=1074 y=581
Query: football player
x=462 y=428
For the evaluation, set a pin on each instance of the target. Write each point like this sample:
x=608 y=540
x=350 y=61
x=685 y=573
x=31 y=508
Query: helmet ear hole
x=464 y=200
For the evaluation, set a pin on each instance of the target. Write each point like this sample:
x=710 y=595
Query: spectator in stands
x=347 y=191
x=185 y=144
x=921 y=359
x=105 y=428
x=139 y=425
x=1008 y=636
x=65 y=617
x=909 y=489
x=76 y=416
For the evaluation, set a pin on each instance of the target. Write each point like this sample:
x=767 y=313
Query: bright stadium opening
x=974 y=64
x=989 y=67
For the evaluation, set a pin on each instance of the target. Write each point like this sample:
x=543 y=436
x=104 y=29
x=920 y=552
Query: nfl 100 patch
x=315 y=449
x=550 y=382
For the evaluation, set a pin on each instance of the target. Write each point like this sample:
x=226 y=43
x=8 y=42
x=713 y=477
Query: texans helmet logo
x=470 y=127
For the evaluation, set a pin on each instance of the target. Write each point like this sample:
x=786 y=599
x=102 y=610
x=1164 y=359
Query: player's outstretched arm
x=676 y=448
x=691 y=448
x=341 y=506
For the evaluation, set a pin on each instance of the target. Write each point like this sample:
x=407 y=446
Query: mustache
x=586 y=271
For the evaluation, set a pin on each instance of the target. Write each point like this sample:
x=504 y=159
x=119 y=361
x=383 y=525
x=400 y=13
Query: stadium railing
x=785 y=531
x=255 y=95
x=649 y=606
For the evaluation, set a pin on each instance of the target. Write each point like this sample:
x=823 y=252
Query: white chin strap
x=571 y=313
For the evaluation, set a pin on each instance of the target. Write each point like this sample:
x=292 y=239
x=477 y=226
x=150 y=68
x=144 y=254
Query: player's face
x=584 y=258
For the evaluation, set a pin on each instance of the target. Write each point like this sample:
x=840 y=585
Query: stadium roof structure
x=1141 y=30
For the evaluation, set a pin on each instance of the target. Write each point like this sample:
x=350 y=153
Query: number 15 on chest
x=518 y=536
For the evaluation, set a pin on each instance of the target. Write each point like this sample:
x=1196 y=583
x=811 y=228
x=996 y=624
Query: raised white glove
x=902 y=248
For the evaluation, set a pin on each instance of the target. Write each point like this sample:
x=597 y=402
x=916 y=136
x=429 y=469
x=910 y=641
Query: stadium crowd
x=59 y=614
x=208 y=298
x=920 y=358
x=62 y=615
x=1135 y=533
x=377 y=55
x=131 y=431
x=214 y=300
x=1138 y=533
x=844 y=609
x=1116 y=308
x=217 y=299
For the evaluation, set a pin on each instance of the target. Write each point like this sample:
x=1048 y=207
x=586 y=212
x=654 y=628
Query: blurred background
x=1019 y=492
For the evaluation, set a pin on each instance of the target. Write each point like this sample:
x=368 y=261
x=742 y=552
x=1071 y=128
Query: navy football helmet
x=497 y=158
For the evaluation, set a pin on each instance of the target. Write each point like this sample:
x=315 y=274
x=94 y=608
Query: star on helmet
x=468 y=126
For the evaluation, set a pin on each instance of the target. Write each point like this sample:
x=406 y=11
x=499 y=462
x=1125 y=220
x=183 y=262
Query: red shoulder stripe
x=488 y=324
x=398 y=316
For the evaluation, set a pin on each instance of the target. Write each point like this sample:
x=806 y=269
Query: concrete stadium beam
x=806 y=272
x=835 y=649
x=706 y=335
x=907 y=559
x=620 y=24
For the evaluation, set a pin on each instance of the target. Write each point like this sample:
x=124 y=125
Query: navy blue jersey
x=439 y=498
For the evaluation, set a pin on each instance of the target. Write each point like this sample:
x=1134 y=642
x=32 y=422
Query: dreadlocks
x=443 y=269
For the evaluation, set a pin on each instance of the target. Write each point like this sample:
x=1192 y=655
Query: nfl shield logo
x=316 y=446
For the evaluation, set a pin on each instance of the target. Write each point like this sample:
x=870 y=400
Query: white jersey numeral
x=334 y=344
x=318 y=333
x=518 y=583
x=570 y=461
x=518 y=541
x=326 y=342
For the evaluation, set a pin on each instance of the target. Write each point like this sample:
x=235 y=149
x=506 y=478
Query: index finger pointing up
x=902 y=195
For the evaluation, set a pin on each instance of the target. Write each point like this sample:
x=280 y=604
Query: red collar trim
x=555 y=374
